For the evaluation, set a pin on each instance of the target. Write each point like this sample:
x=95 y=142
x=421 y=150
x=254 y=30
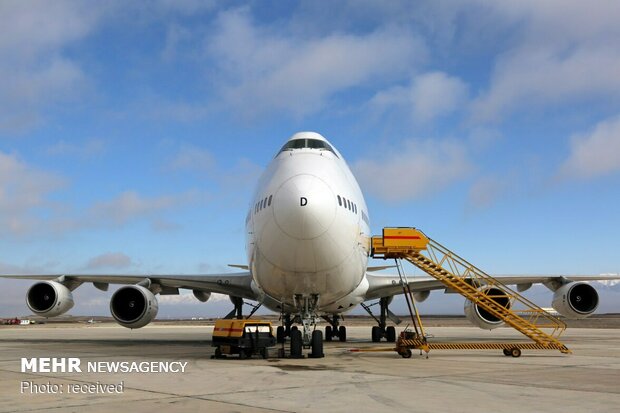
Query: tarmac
x=342 y=381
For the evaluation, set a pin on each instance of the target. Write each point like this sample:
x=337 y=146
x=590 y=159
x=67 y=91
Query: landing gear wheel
x=280 y=337
x=328 y=333
x=317 y=344
x=296 y=343
x=515 y=352
x=294 y=328
x=406 y=354
x=506 y=352
x=390 y=333
x=342 y=333
x=376 y=334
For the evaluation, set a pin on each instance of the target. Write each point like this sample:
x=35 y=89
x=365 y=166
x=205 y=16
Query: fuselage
x=307 y=228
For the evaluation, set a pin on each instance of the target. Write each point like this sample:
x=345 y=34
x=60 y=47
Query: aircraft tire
x=328 y=333
x=280 y=337
x=390 y=333
x=342 y=333
x=317 y=344
x=376 y=334
x=296 y=343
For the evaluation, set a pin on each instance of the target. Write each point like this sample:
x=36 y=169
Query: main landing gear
x=334 y=329
x=382 y=330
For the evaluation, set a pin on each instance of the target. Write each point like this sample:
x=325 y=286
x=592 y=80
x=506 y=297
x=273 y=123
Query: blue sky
x=131 y=134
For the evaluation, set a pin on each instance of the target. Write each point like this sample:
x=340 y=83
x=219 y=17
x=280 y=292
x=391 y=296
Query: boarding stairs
x=460 y=276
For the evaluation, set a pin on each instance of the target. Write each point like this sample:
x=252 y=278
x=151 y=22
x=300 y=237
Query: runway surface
x=454 y=381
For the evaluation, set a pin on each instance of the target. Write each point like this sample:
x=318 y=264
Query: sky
x=132 y=133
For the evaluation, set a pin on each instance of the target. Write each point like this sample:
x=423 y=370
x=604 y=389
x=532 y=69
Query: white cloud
x=191 y=157
x=486 y=191
x=562 y=52
x=111 y=260
x=595 y=153
x=24 y=191
x=265 y=69
x=33 y=68
x=84 y=150
x=529 y=77
x=130 y=205
x=418 y=168
x=429 y=96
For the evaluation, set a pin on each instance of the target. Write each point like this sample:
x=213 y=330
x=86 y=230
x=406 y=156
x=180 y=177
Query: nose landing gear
x=308 y=336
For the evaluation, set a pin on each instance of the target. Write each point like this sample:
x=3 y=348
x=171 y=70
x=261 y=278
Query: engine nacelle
x=575 y=300
x=49 y=299
x=482 y=318
x=133 y=306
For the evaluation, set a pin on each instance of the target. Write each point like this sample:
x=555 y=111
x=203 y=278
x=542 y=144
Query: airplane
x=308 y=247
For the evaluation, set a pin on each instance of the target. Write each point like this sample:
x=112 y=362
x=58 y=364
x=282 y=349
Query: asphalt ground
x=448 y=380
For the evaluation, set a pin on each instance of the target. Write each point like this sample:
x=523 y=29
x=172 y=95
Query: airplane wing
x=235 y=284
x=389 y=285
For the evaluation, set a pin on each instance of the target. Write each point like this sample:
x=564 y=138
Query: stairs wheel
x=506 y=352
x=515 y=352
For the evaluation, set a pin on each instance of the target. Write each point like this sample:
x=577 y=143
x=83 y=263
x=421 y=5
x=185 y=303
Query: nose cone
x=304 y=207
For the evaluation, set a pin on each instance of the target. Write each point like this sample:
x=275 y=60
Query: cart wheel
x=218 y=352
x=406 y=354
x=506 y=352
x=242 y=354
x=264 y=352
x=515 y=352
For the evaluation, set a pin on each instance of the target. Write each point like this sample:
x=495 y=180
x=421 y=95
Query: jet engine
x=575 y=300
x=133 y=306
x=49 y=299
x=482 y=318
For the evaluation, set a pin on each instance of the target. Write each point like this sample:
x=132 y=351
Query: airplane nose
x=304 y=207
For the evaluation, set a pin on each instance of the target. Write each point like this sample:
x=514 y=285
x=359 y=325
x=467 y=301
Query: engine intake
x=480 y=317
x=133 y=306
x=49 y=299
x=575 y=300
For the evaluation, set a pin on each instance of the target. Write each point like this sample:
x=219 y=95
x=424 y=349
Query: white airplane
x=308 y=240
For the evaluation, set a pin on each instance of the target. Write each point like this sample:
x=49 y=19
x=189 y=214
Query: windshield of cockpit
x=307 y=143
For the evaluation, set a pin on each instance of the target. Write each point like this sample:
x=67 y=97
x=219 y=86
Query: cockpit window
x=307 y=143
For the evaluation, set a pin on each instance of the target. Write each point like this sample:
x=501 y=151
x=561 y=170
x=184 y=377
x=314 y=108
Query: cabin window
x=269 y=202
x=339 y=200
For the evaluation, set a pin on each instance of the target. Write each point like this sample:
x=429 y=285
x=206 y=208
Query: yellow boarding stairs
x=474 y=284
